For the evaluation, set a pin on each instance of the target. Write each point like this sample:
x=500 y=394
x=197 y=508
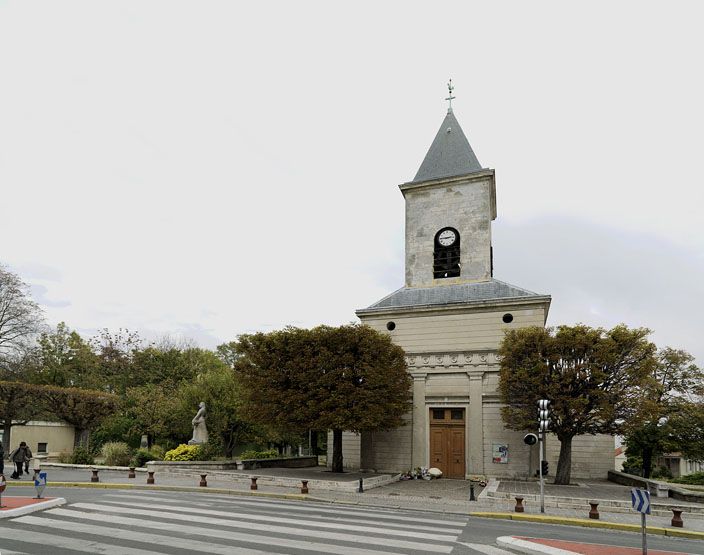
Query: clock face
x=447 y=238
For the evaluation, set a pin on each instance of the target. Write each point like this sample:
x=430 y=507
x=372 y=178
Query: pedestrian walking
x=18 y=457
x=2 y=459
x=27 y=459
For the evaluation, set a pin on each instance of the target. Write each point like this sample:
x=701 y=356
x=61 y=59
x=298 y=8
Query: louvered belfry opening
x=446 y=258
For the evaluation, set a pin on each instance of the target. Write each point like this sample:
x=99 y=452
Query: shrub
x=252 y=454
x=158 y=451
x=661 y=472
x=143 y=456
x=81 y=455
x=184 y=453
x=633 y=465
x=116 y=453
x=695 y=479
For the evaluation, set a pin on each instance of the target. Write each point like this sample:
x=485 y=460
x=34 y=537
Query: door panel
x=438 y=457
x=447 y=436
x=456 y=455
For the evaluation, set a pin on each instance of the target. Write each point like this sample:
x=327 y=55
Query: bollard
x=131 y=473
x=304 y=486
x=94 y=477
x=361 y=486
x=203 y=482
x=677 y=521
x=594 y=511
x=519 y=508
x=253 y=486
x=471 y=492
x=150 y=478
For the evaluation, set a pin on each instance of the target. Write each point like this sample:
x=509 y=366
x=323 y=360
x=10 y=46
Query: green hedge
x=695 y=479
x=252 y=454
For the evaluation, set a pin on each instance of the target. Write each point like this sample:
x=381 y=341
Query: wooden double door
x=447 y=430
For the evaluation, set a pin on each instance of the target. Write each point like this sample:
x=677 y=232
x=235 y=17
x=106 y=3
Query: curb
x=34 y=507
x=654 y=530
x=523 y=546
x=188 y=489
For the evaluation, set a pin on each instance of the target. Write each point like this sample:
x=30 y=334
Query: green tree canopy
x=591 y=377
x=63 y=358
x=84 y=409
x=340 y=378
x=19 y=403
x=218 y=389
x=668 y=418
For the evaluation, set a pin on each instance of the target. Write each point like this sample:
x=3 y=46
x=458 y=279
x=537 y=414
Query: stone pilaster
x=475 y=424
x=420 y=441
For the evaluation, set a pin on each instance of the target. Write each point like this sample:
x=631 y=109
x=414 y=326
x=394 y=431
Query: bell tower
x=450 y=205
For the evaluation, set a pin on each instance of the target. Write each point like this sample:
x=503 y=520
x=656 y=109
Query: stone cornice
x=445 y=181
x=456 y=307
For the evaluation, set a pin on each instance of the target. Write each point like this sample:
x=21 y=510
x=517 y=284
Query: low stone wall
x=247 y=464
x=289 y=462
x=657 y=488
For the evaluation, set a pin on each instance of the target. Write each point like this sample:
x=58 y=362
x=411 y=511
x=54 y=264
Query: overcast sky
x=204 y=169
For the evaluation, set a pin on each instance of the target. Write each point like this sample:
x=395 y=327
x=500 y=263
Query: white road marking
x=385 y=514
x=104 y=531
x=72 y=544
x=292 y=531
x=162 y=511
x=487 y=549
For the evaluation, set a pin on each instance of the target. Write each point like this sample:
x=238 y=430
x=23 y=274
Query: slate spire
x=450 y=153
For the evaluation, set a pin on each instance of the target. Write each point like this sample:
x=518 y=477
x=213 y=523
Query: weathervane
x=450 y=98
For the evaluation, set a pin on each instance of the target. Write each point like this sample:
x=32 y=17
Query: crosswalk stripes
x=229 y=526
x=431 y=524
x=486 y=549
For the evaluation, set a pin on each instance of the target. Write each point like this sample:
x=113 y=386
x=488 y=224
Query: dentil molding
x=454 y=359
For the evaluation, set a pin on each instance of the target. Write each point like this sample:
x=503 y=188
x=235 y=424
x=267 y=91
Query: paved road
x=128 y=523
x=115 y=522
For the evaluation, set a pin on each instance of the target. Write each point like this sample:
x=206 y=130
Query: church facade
x=449 y=317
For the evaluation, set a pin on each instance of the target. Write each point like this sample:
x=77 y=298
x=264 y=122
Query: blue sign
x=40 y=484
x=640 y=499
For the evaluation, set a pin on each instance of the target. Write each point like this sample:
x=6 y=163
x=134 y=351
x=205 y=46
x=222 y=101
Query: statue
x=200 y=432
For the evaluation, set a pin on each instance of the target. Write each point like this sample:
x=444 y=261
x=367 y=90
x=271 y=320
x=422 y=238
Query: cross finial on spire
x=450 y=98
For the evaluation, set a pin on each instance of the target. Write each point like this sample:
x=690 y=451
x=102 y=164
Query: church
x=450 y=317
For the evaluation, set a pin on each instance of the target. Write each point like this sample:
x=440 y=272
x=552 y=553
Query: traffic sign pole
x=3 y=485
x=542 y=493
x=640 y=500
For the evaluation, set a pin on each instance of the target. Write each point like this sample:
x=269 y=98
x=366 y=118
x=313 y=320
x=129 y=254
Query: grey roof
x=493 y=289
x=450 y=153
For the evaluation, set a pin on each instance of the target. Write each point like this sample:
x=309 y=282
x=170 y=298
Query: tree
x=19 y=403
x=591 y=376
x=346 y=378
x=20 y=317
x=686 y=423
x=153 y=410
x=667 y=413
x=84 y=409
x=65 y=359
x=218 y=389
x=115 y=353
